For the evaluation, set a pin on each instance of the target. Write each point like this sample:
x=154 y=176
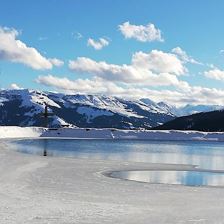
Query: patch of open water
x=204 y=155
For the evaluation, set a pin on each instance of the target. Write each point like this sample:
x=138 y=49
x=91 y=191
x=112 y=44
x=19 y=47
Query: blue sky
x=63 y=29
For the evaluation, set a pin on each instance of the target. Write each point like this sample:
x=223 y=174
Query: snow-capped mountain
x=181 y=111
x=193 y=109
x=25 y=108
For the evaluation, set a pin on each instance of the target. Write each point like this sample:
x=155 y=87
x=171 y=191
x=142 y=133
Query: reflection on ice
x=188 y=178
x=206 y=155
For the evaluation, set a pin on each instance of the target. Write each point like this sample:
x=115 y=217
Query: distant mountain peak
x=24 y=107
x=83 y=110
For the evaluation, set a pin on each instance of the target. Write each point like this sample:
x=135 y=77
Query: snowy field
x=58 y=190
x=82 y=133
x=67 y=190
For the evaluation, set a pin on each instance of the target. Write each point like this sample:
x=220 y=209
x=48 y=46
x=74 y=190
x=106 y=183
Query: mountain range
x=25 y=107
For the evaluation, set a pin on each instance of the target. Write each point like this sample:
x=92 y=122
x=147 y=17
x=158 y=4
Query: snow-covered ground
x=20 y=132
x=56 y=190
x=35 y=132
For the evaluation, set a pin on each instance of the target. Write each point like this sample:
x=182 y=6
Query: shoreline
x=8 y=132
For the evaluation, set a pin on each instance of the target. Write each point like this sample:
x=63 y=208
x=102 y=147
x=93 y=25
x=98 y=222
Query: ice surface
x=181 y=177
x=41 y=190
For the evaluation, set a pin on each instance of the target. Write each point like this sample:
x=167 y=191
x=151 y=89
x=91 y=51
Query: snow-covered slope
x=160 y=107
x=180 y=111
x=21 y=132
x=184 y=110
x=25 y=107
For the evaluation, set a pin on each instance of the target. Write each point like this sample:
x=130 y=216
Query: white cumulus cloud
x=153 y=68
x=14 y=86
x=215 y=74
x=97 y=44
x=141 y=33
x=185 y=95
x=56 y=62
x=159 y=62
x=95 y=85
x=14 y=50
x=184 y=56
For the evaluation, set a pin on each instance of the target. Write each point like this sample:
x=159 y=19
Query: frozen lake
x=203 y=155
x=188 y=178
